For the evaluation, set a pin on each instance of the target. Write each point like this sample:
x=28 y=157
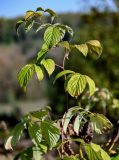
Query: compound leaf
x=35 y=133
x=99 y=122
x=95 y=152
x=50 y=133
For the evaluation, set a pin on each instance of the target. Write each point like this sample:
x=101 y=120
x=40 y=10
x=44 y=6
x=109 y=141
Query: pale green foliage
x=49 y=65
x=39 y=72
x=42 y=52
x=25 y=74
x=65 y=45
x=77 y=83
x=99 y=122
x=70 y=158
x=92 y=46
x=95 y=152
x=44 y=133
x=62 y=73
x=53 y=35
x=40 y=129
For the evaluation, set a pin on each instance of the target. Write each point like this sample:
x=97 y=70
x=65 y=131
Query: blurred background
x=90 y=19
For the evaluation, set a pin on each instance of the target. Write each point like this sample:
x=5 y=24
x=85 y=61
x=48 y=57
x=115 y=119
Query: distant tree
x=100 y=5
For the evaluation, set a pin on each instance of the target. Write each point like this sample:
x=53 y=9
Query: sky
x=13 y=8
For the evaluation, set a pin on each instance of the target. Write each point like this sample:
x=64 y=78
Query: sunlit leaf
x=49 y=65
x=95 y=47
x=52 y=13
x=66 y=28
x=77 y=122
x=67 y=117
x=52 y=36
x=18 y=24
x=28 y=25
x=70 y=158
x=91 y=85
x=95 y=152
x=43 y=26
x=65 y=45
x=39 y=72
x=8 y=144
x=99 y=122
x=76 y=85
x=25 y=74
x=42 y=52
x=29 y=14
x=62 y=73
x=83 y=48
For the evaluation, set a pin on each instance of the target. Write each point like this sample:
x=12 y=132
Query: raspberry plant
x=77 y=125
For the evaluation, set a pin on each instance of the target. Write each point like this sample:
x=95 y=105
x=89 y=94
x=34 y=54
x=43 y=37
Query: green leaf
x=91 y=85
x=39 y=9
x=99 y=122
x=66 y=28
x=62 y=73
x=15 y=137
x=95 y=47
x=95 y=152
x=65 y=44
x=49 y=65
x=27 y=154
x=76 y=84
x=18 y=24
x=29 y=14
x=43 y=26
x=52 y=36
x=35 y=133
x=28 y=25
x=115 y=158
x=42 y=52
x=67 y=117
x=39 y=72
x=70 y=158
x=25 y=74
x=83 y=48
x=52 y=13
x=50 y=133
x=77 y=122
x=37 y=14
x=37 y=154
x=39 y=114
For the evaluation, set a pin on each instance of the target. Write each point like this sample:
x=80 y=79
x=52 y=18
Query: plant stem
x=59 y=66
